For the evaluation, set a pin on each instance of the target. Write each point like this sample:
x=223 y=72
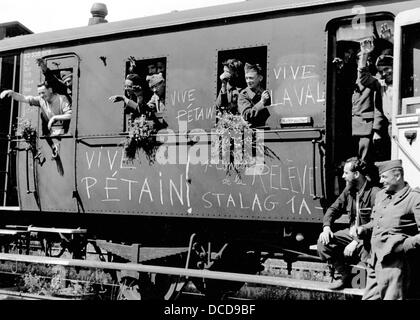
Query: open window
x=252 y=55
x=145 y=68
x=235 y=66
x=62 y=76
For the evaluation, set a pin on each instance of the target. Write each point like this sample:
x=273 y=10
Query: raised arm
x=128 y=103
x=15 y=96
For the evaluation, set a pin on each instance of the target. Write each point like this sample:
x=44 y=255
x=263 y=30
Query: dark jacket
x=346 y=203
x=367 y=112
x=228 y=101
x=247 y=100
x=395 y=222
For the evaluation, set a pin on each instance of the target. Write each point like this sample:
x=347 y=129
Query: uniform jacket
x=367 y=113
x=395 y=222
x=248 y=99
x=346 y=203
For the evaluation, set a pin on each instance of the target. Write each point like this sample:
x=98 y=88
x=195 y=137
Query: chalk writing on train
x=298 y=85
x=110 y=178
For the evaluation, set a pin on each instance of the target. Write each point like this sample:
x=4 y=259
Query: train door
x=344 y=37
x=56 y=176
x=406 y=103
x=9 y=79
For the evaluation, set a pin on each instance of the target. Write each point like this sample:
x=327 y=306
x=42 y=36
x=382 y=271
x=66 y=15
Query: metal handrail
x=6 y=178
x=123 y=134
x=194 y=273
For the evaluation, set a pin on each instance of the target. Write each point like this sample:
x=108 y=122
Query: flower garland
x=234 y=137
x=141 y=135
x=237 y=144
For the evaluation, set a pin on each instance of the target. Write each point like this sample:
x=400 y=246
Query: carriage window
x=146 y=69
x=59 y=74
x=255 y=55
x=145 y=86
x=243 y=71
x=410 y=70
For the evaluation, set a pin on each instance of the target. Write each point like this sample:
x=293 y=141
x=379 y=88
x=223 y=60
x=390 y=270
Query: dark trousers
x=396 y=277
x=363 y=147
x=333 y=252
x=382 y=149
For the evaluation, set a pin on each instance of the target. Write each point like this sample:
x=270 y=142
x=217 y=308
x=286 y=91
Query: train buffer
x=74 y=240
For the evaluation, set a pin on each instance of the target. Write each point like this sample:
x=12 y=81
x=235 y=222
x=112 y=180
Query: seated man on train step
x=340 y=248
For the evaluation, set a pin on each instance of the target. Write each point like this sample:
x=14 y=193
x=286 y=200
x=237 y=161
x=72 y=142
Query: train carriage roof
x=176 y=18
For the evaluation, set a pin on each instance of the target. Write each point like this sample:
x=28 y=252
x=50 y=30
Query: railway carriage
x=276 y=205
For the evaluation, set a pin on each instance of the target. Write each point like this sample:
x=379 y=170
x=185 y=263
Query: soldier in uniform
x=134 y=103
x=253 y=100
x=367 y=114
x=157 y=102
x=393 y=264
x=341 y=248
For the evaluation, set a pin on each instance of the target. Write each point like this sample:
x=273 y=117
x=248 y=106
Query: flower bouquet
x=238 y=144
x=25 y=130
x=141 y=135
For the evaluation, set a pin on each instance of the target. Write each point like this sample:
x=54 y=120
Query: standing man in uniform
x=385 y=73
x=341 y=248
x=367 y=113
x=393 y=266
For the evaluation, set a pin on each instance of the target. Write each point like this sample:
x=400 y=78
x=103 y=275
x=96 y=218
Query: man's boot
x=345 y=277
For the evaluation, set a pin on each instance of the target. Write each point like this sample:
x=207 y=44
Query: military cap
x=253 y=67
x=388 y=165
x=154 y=79
x=134 y=78
x=65 y=74
x=384 y=61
